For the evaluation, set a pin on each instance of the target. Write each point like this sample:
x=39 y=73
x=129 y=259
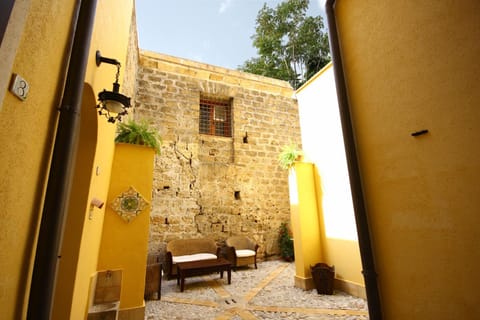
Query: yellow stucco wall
x=345 y=256
x=79 y=204
x=38 y=49
x=311 y=242
x=322 y=144
x=82 y=248
x=10 y=42
x=411 y=66
x=305 y=220
x=26 y=135
x=341 y=252
x=125 y=244
x=312 y=245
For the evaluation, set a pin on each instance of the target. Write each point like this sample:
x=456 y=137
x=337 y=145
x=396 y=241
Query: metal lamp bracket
x=99 y=59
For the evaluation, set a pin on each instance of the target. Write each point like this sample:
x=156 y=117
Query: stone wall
x=207 y=186
x=130 y=69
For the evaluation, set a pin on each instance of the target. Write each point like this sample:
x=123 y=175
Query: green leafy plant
x=289 y=154
x=291 y=45
x=138 y=133
x=285 y=242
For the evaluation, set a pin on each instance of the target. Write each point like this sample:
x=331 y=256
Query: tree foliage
x=291 y=46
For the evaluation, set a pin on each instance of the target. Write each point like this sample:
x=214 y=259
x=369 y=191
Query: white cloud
x=224 y=6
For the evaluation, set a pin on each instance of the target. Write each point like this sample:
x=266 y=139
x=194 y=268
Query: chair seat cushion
x=245 y=253
x=194 y=257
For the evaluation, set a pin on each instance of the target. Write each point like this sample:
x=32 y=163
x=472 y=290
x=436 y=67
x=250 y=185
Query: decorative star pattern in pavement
x=263 y=293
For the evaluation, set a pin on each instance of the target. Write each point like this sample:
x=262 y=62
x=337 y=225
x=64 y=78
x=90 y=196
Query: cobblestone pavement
x=264 y=293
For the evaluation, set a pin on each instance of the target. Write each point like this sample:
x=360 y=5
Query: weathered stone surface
x=207 y=186
x=131 y=64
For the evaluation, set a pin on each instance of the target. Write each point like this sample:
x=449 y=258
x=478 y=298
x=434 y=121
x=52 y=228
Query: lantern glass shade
x=114 y=106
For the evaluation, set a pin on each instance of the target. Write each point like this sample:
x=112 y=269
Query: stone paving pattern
x=264 y=293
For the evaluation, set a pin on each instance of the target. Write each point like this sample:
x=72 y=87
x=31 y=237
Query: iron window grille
x=216 y=117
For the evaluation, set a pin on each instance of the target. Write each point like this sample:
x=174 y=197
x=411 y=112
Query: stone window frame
x=215 y=116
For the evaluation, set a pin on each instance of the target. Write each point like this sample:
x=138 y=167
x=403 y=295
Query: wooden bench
x=202 y=267
x=187 y=250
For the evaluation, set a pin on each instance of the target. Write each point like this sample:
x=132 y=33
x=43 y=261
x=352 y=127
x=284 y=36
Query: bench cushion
x=245 y=253
x=193 y=257
x=193 y=249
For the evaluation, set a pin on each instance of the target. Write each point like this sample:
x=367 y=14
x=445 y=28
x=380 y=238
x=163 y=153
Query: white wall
x=322 y=142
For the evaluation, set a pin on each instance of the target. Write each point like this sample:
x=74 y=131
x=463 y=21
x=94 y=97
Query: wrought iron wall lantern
x=112 y=104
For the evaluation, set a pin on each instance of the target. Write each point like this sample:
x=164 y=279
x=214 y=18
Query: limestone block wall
x=129 y=71
x=208 y=186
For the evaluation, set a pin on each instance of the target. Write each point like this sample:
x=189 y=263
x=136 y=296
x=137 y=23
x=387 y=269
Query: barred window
x=216 y=117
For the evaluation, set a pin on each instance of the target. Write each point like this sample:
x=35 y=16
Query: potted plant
x=140 y=133
x=289 y=154
x=285 y=242
x=323 y=277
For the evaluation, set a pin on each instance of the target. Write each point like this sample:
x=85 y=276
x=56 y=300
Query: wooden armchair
x=241 y=251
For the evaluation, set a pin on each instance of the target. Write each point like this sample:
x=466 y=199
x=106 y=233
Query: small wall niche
x=245 y=138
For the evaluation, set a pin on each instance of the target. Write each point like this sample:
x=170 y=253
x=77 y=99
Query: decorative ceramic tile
x=129 y=204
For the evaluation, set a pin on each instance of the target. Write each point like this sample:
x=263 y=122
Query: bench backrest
x=181 y=247
x=240 y=242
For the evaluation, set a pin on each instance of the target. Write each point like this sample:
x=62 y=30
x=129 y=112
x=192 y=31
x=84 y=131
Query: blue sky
x=216 y=32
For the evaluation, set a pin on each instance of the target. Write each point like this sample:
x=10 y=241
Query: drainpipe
x=361 y=217
x=61 y=168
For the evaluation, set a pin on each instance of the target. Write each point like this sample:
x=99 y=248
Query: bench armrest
x=168 y=264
